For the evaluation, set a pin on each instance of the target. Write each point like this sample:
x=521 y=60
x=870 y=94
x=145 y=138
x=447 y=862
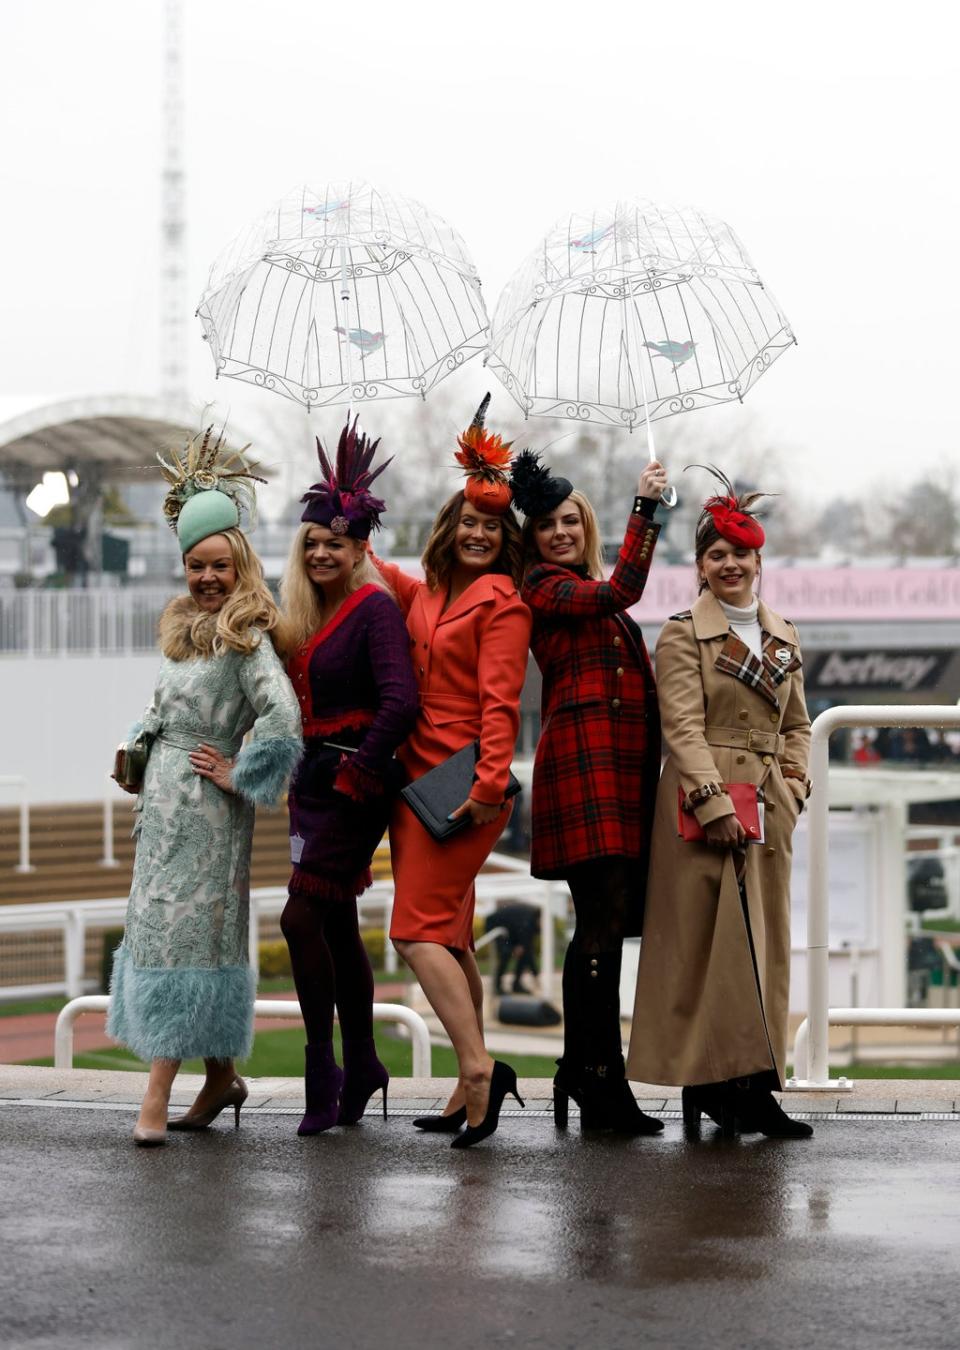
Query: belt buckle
x=759 y=735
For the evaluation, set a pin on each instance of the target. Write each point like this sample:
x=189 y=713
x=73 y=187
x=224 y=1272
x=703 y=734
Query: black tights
x=604 y=902
x=330 y=965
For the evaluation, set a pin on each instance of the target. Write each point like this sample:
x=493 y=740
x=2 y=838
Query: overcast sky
x=824 y=132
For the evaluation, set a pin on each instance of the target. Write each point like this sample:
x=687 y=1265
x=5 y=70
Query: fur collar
x=186 y=632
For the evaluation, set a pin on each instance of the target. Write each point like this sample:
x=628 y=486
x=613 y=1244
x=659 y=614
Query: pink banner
x=811 y=594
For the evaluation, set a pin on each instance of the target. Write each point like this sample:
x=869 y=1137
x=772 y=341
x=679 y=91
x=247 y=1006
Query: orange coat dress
x=469 y=662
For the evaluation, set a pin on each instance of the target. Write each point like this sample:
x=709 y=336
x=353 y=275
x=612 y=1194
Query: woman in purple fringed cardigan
x=352 y=674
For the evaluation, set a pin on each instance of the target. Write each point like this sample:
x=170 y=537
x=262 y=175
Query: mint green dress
x=182 y=985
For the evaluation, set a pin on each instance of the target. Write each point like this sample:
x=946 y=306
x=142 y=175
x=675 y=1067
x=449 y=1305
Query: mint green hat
x=205 y=513
x=208 y=489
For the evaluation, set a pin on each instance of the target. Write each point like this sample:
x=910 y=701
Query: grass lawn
x=279 y=1054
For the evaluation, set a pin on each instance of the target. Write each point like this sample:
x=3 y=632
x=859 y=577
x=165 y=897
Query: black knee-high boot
x=596 y=1081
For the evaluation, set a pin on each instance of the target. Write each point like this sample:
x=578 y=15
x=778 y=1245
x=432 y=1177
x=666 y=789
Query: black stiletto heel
x=561 y=1103
x=502 y=1080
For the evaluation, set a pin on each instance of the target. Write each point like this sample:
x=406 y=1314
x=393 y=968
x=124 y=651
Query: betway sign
x=904 y=671
x=814 y=594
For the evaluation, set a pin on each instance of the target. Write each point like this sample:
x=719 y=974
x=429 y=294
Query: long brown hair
x=438 y=560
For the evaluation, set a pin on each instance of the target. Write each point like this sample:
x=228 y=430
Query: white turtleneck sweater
x=746 y=624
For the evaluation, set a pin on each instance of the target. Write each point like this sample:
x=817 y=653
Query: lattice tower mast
x=173 y=252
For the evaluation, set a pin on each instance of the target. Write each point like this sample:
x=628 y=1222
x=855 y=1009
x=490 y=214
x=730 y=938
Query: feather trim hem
x=262 y=769
x=181 y=1012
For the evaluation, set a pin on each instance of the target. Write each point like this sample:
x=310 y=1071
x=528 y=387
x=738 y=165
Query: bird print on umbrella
x=587 y=242
x=328 y=209
x=367 y=342
x=674 y=352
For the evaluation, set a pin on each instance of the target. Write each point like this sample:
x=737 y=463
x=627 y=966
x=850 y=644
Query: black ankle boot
x=759 y=1112
x=709 y=1099
x=607 y=1102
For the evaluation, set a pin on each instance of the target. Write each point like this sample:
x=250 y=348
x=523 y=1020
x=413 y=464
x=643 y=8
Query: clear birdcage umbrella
x=344 y=294
x=622 y=317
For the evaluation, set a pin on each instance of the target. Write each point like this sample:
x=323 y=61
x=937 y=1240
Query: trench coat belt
x=189 y=740
x=746 y=738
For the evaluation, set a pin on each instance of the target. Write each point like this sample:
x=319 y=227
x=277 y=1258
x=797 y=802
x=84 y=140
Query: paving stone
x=854 y=1104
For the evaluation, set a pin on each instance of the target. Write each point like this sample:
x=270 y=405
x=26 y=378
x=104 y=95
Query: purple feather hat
x=342 y=500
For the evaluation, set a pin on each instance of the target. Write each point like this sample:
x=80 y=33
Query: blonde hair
x=298 y=595
x=248 y=607
x=438 y=559
x=592 y=543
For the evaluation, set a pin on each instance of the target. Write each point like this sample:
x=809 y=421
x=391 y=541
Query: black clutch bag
x=436 y=793
x=130 y=761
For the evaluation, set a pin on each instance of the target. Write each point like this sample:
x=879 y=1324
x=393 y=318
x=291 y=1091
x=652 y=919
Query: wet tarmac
x=379 y=1236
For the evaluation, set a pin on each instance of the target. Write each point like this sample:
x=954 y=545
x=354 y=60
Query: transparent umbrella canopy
x=626 y=316
x=344 y=294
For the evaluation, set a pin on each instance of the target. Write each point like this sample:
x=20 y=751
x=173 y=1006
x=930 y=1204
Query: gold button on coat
x=768 y=759
x=741 y=759
x=615 y=703
x=619 y=670
x=616 y=642
x=744 y=716
x=774 y=717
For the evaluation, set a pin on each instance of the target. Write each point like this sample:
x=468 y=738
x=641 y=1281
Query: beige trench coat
x=702 y=1015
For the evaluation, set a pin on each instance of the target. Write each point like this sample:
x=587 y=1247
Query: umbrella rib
x=416 y=305
x=276 y=320
x=696 y=358
x=293 y=326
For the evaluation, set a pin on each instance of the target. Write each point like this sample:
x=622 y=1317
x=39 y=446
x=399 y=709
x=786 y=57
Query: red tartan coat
x=598 y=759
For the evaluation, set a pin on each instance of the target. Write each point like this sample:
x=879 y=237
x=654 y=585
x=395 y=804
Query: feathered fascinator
x=484 y=458
x=729 y=515
x=209 y=486
x=535 y=490
x=342 y=500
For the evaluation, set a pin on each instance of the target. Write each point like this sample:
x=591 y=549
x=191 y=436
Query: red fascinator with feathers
x=730 y=514
x=342 y=500
x=485 y=459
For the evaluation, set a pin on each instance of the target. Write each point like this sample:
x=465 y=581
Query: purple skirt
x=333 y=837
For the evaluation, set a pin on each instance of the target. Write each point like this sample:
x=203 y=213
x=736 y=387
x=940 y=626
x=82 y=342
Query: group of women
x=367 y=679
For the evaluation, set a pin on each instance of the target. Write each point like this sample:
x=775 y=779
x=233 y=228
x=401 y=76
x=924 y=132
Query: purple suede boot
x=363 y=1074
x=323 y=1080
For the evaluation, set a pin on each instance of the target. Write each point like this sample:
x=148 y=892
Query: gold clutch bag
x=130 y=761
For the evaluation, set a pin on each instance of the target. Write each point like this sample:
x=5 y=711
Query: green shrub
x=375 y=941
x=274 y=959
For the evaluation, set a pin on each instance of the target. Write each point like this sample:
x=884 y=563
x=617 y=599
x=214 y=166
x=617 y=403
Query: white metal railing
x=92 y=622
x=19 y=783
x=73 y=918
x=817 y=1070
x=263 y=1007
x=861 y=1017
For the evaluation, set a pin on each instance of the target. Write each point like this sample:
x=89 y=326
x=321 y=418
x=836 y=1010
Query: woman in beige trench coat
x=712 y=992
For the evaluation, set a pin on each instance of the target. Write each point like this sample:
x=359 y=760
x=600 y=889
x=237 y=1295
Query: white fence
x=813 y=1073
x=93 y=622
x=263 y=1007
x=71 y=920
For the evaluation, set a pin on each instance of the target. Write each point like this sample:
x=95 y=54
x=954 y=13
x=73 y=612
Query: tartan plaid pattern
x=598 y=759
x=765 y=676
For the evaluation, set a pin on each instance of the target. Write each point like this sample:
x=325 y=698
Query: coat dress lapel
x=779 y=656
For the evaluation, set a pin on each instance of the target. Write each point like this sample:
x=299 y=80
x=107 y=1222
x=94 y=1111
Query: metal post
x=108 y=860
x=73 y=935
x=24 y=864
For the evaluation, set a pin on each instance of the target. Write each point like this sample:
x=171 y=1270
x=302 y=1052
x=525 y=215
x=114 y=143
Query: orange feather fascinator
x=485 y=459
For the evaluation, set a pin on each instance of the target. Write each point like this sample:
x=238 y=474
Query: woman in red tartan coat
x=596 y=769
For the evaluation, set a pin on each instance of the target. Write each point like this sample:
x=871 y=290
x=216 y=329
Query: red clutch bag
x=746 y=803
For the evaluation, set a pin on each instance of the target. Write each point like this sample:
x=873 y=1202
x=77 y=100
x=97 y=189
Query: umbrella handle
x=668 y=497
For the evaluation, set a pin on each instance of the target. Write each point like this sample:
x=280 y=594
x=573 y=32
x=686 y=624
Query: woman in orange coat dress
x=469 y=634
